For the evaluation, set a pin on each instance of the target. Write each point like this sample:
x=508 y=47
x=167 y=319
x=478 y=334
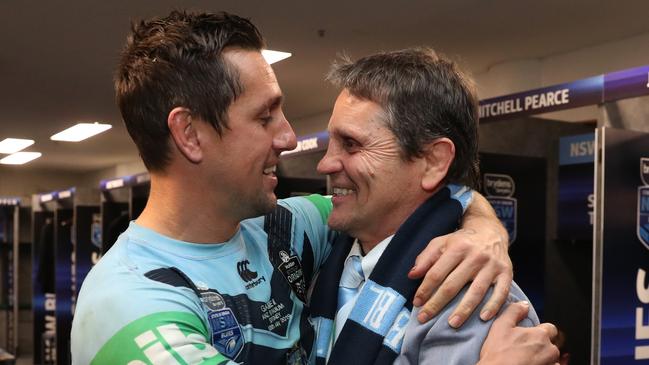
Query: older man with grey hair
x=402 y=156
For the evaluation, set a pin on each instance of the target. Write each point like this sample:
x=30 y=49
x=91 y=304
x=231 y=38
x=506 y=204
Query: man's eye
x=350 y=144
x=266 y=120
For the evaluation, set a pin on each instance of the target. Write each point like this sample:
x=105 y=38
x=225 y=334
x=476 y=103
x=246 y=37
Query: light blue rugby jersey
x=217 y=306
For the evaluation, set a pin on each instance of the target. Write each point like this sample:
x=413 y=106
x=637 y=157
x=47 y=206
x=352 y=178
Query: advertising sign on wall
x=576 y=200
x=515 y=187
x=623 y=248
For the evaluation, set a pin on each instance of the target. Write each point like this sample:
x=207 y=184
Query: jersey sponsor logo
x=156 y=339
x=249 y=276
x=643 y=203
x=227 y=336
x=244 y=272
x=153 y=346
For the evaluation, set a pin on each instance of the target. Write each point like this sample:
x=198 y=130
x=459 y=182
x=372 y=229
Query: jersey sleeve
x=161 y=338
x=141 y=323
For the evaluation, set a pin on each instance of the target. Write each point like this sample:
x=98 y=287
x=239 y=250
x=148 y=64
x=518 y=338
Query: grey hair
x=425 y=97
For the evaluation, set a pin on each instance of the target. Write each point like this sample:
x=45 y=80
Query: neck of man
x=183 y=211
x=373 y=234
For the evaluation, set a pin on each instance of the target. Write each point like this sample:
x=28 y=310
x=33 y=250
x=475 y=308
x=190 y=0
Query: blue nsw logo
x=506 y=210
x=227 y=337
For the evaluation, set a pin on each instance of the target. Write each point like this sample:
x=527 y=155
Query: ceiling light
x=80 y=132
x=274 y=56
x=11 y=145
x=20 y=158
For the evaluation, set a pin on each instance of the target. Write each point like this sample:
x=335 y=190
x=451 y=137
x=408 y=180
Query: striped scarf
x=374 y=331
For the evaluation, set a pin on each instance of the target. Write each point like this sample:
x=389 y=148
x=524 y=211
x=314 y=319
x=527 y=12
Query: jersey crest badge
x=291 y=269
x=227 y=336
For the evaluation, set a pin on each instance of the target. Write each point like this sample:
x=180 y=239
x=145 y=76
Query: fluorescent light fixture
x=20 y=158
x=12 y=145
x=80 y=132
x=274 y=56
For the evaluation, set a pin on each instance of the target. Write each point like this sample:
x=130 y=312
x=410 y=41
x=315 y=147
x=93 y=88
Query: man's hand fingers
x=428 y=257
x=513 y=314
x=471 y=299
x=432 y=280
x=550 y=329
x=498 y=297
x=448 y=290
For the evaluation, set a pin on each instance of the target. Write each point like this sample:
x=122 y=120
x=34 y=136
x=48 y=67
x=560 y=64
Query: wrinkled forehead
x=357 y=115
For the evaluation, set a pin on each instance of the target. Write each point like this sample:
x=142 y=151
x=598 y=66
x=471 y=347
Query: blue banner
x=593 y=90
x=548 y=99
x=576 y=200
x=577 y=149
x=626 y=84
x=624 y=337
x=515 y=187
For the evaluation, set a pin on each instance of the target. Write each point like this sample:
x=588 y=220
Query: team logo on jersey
x=227 y=336
x=291 y=269
x=244 y=271
x=250 y=277
x=643 y=203
x=499 y=190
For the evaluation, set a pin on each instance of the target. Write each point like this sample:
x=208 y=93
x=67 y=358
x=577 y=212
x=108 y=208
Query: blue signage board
x=576 y=200
x=548 y=99
x=515 y=188
x=626 y=84
x=624 y=312
x=589 y=91
x=577 y=149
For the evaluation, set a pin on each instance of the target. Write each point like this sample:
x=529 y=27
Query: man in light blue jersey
x=403 y=147
x=215 y=270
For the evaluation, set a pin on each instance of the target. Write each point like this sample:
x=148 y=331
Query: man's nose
x=285 y=139
x=329 y=164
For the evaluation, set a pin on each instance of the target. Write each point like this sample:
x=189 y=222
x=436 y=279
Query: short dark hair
x=178 y=61
x=424 y=97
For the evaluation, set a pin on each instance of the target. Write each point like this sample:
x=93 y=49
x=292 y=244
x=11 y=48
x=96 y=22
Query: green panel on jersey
x=161 y=338
x=323 y=204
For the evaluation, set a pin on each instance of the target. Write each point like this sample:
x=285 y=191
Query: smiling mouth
x=270 y=170
x=342 y=191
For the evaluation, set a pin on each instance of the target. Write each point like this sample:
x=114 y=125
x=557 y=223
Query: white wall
x=521 y=75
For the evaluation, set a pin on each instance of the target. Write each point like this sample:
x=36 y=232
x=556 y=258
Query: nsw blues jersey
x=155 y=300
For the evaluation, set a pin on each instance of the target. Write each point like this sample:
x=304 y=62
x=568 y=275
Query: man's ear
x=439 y=155
x=184 y=134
